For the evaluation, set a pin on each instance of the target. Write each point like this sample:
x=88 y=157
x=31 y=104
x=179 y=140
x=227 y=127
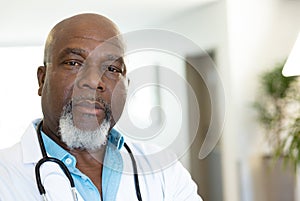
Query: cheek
x=62 y=87
x=57 y=92
x=118 y=99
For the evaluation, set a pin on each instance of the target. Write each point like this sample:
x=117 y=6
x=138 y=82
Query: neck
x=89 y=162
x=84 y=156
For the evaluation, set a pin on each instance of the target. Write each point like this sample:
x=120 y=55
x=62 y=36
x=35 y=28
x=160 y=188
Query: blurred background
x=239 y=39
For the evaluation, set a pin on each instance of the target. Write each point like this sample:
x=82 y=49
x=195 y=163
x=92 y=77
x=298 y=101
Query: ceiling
x=27 y=22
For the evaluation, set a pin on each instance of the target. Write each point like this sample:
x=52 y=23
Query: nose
x=90 y=78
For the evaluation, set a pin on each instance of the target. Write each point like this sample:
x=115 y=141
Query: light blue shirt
x=112 y=168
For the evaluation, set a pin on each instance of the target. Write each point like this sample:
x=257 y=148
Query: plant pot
x=272 y=180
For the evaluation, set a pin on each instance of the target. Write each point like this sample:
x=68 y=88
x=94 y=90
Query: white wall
x=19 y=102
x=261 y=34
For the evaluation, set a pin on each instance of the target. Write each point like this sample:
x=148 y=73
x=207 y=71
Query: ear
x=41 y=73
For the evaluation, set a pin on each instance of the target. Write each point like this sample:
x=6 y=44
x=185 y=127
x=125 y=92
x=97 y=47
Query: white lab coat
x=17 y=176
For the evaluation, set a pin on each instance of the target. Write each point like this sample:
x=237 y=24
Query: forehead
x=86 y=37
x=88 y=48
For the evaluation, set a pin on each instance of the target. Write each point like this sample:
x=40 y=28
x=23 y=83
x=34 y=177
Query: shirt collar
x=31 y=148
x=115 y=141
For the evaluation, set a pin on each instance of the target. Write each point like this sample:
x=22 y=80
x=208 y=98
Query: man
x=83 y=88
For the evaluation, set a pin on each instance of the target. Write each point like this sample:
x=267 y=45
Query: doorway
x=207 y=173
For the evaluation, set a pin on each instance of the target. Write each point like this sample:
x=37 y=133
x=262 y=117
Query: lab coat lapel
x=30 y=145
x=56 y=184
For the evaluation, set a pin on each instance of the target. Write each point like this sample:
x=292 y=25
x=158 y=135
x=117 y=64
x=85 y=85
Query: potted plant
x=278 y=109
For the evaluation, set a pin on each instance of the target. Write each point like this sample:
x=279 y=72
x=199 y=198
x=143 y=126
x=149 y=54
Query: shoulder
x=15 y=176
x=150 y=158
x=10 y=155
x=10 y=161
x=17 y=152
x=164 y=168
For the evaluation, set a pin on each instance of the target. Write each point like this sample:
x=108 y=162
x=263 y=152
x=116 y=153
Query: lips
x=88 y=107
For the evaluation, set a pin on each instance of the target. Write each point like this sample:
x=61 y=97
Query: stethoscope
x=64 y=168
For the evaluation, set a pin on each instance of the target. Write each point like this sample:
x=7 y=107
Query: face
x=85 y=73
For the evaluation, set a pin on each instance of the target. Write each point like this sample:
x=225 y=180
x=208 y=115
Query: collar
x=31 y=148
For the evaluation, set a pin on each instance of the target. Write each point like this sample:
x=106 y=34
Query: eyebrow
x=112 y=57
x=77 y=51
x=83 y=53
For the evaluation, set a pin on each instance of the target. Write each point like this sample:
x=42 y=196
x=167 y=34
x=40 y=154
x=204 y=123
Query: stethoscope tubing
x=135 y=173
x=64 y=168
x=45 y=159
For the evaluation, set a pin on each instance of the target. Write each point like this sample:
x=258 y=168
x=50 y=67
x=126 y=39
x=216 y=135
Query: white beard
x=76 y=138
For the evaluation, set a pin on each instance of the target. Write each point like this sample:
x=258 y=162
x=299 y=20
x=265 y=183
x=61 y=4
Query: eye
x=114 y=69
x=73 y=64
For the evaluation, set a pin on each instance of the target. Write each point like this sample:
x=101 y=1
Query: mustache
x=91 y=99
x=106 y=106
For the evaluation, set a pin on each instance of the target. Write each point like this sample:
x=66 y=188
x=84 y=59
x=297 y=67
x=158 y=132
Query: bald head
x=90 y=26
